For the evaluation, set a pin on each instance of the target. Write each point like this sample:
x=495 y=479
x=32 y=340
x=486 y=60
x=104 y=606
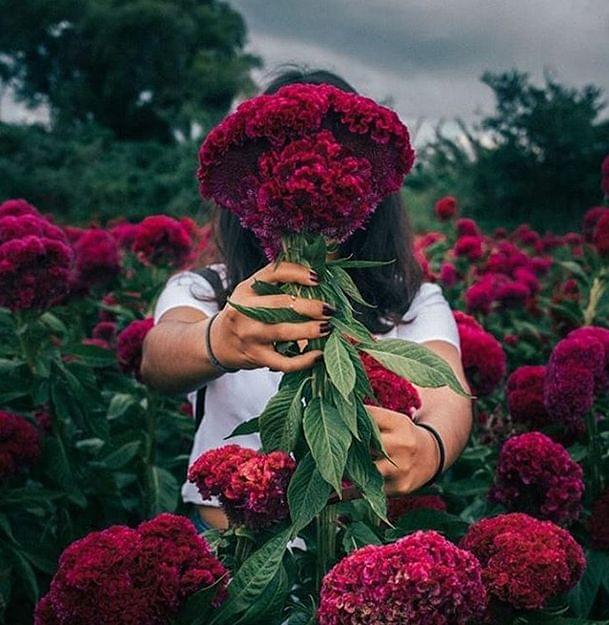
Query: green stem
x=28 y=347
x=326 y=541
x=150 y=452
x=594 y=460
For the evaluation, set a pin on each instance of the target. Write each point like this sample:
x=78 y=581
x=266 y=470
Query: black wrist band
x=441 y=448
x=212 y=358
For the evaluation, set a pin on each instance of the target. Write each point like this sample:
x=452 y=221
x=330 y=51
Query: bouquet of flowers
x=303 y=169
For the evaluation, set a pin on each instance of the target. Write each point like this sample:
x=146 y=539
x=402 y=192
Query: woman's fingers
x=287 y=272
x=277 y=362
x=314 y=308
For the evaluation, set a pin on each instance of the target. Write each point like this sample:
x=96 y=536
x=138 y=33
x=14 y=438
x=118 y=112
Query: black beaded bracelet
x=212 y=358
x=441 y=448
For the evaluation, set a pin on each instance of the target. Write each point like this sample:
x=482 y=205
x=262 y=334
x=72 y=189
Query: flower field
x=92 y=528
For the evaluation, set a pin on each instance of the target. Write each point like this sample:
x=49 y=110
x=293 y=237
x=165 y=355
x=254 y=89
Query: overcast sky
x=428 y=55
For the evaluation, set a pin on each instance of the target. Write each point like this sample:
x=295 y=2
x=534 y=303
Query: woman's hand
x=412 y=450
x=240 y=342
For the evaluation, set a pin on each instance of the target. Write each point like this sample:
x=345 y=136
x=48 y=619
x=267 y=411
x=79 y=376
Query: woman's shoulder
x=429 y=294
x=199 y=275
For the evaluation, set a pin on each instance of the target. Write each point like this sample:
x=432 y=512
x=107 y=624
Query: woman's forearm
x=174 y=357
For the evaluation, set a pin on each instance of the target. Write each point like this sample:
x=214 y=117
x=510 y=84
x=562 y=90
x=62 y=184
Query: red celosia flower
x=251 y=486
x=598 y=527
x=16 y=208
x=525 y=562
x=19 y=443
x=483 y=358
x=536 y=475
x=422 y=578
x=525 y=396
x=576 y=370
x=162 y=240
x=106 y=331
x=108 y=300
x=600 y=237
x=123 y=576
x=591 y=217
x=97 y=259
x=35 y=262
x=129 y=345
x=512 y=294
x=469 y=246
x=599 y=335
x=500 y=233
x=448 y=274
x=397 y=507
x=480 y=296
x=446 y=208
x=390 y=390
x=467 y=228
x=309 y=158
x=124 y=234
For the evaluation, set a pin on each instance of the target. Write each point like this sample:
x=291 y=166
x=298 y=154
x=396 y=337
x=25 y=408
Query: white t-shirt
x=234 y=398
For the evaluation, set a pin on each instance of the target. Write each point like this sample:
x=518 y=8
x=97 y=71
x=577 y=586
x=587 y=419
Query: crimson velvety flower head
x=598 y=529
x=36 y=261
x=525 y=561
x=591 y=217
x=306 y=159
x=251 y=486
x=483 y=358
x=124 y=576
x=129 y=345
x=19 y=443
x=422 y=578
x=162 y=240
x=397 y=507
x=525 y=388
x=390 y=390
x=97 y=259
x=446 y=208
x=467 y=228
x=16 y=208
x=536 y=475
x=600 y=237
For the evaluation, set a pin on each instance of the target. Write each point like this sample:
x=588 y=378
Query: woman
x=175 y=358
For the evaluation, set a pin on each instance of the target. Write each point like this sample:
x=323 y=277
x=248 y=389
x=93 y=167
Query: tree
x=146 y=69
x=535 y=159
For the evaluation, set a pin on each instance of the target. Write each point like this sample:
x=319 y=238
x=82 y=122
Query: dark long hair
x=387 y=236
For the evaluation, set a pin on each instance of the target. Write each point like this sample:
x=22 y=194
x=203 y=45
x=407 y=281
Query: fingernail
x=328 y=310
x=325 y=327
x=313 y=276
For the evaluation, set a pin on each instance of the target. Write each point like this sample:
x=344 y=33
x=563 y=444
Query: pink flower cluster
x=124 y=576
x=446 y=208
x=390 y=390
x=97 y=259
x=309 y=158
x=251 y=486
x=422 y=578
x=129 y=345
x=536 y=475
x=35 y=258
x=577 y=372
x=525 y=392
x=598 y=528
x=483 y=358
x=525 y=562
x=397 y=507
x=19 y=443
x=162 y=240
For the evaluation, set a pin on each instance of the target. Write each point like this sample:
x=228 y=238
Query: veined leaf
x=353 y=329
x=346 y=283
x=308 y=493
x=416 y=363
x=266 y=288
x=270 y=315
x=247 y=427
x=364 y=474
x=338 y=364
x=347 y=409
x=347 y=263
x=280 y=421
x=328 y=438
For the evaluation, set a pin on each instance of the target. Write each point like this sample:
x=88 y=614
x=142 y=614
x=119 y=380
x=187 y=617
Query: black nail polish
x=314 y=277
x=328 y=310
x=325 y=327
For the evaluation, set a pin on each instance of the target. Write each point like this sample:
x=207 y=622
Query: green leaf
x=271 y=602
x=308 y=493
x=119 y=404
x=280 y=421
x=94 y=356
x=165 y=490
x=416 y=363
x=358 y=535
x=347 y=409
x=54 y=323
x=266 y=288
x=338 y=364
x=252 y=579
x=122 y=456
x=582 y=597
x=270 y=315
x=328 y=438
x=363 y=473
x=26 y=572
x=252 y=426
x=449 y=525
x=346 y=263
x=345 y=282
x=198 y=607
x=353 y=329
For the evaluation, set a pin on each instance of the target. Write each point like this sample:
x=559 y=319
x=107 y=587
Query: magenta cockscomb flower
x=483 y=358
x=446 y=208
x=19 y=443
x=17 y=207
x=525 y=561
x=162 y=240
x=251 y=486
x=129 y=345
x=422 y=578
x=537 y=475
x=397 y=507
x=123 y=576
x=525 y=396
x=308 y=158
x=97 y=258
x=35 y=262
